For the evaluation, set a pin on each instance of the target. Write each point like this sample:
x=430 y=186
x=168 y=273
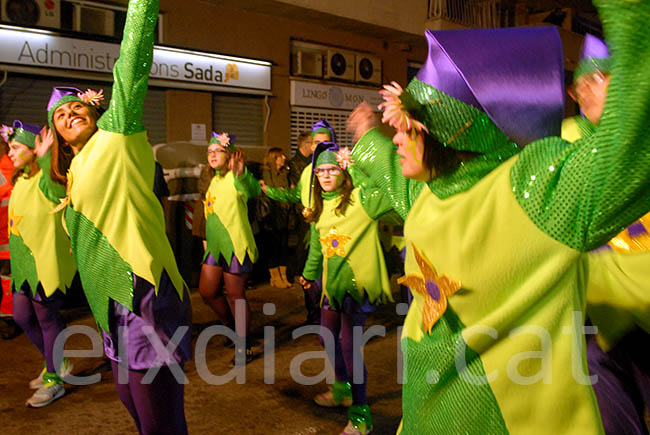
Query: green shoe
x=359 y=421
x=65 y=370
x=339 y=394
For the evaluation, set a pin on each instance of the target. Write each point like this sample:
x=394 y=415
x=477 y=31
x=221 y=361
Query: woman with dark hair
x=42 y=268
x=117 y=232
x=344 y=246
x=275 y=174
x=497 y=240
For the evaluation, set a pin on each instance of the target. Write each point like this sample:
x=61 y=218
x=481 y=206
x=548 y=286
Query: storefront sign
x=30 y=47
x=331 y=97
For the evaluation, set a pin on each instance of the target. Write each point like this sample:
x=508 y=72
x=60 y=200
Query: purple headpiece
x=323 y=126
x=62 y=94
x=22 y=132
x=514 y=75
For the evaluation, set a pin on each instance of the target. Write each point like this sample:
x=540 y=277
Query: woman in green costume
x=344 y=246
x=231 y=249
x=497 y=236
x=117 y=232
x=41 y=265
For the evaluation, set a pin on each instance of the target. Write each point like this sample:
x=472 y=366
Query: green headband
x=62 y=101
x=24 y=137
x=589 y=65
x=322 y=130
x=327 y=157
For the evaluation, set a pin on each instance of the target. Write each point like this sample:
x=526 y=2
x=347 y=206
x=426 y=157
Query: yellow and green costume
x=348 y=250
x=228 y=232
x=39 y=246
x=497 y=253
x=115 y=222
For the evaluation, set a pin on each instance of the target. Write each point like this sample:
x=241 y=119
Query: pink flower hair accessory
x=6 y=132
x=395 y=113
x=91 y=97
x=344 y=157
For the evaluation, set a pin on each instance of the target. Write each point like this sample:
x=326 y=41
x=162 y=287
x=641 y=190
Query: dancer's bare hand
x=263 y=186
x=361 y=120
x=306 y=284
x=43 y=142
x=236 y=163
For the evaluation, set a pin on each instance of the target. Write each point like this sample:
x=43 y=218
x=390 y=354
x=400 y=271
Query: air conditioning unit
x=307 y=63
x=368 y=69
x=42 y=13
x=340 y=65
x=93 y=20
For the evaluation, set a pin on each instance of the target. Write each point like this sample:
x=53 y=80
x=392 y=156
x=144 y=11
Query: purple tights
x=42 y=323
x=343 y=324
x=623 y=386
x=157 y=408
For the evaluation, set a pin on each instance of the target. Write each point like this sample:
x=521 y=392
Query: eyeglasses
x=215 y=152
x=588 y=80
x=332 y=170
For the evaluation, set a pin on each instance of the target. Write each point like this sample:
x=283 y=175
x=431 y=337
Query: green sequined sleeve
x=314 y=264
x=584 y=193
x=375 y=156
x=291 y=195
x=52 y=191
x=247 y=185
x=374 y=202
x=131 y=71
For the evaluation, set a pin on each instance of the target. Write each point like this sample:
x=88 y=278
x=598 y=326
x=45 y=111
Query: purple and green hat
x=594 y=56
x=323 y=126
x=486 y=88
x=62 y=94
x=21 y=132
x=224 y=139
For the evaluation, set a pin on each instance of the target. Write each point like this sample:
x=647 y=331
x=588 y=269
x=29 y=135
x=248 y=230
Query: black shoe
x=9 y=328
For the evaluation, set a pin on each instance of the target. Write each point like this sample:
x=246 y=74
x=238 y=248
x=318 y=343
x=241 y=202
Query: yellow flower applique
x=435 y=289
x=334 y=243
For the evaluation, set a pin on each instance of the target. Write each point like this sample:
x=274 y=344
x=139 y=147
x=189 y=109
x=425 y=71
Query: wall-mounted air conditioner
x=94 y=20
x=43 y=13
x=307 y=63
x=340 y=65
x=368 y=69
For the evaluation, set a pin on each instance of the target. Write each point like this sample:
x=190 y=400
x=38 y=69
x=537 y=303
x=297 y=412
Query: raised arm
x=584 y=193
x=375 y=155
x=131 y=71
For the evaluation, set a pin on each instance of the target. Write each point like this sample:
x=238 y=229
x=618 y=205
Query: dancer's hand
x=361 y=120
x=43 y=142
x=305 y=283
x=236 y=163
x=263 y=186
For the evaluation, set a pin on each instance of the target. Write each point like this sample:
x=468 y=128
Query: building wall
x=198 y=25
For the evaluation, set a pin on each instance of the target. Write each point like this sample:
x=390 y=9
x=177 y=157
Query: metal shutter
x=240 y=115
x=25 y=97
x=302 y=118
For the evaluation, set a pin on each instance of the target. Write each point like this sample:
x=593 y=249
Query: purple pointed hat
x=322 y=126
x=594 y=55
x=514 y=75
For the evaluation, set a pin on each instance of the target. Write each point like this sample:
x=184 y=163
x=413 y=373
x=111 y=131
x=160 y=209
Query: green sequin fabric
x=23 y=266
x=131 y=71
x=440 y=399
x=584 y=193
x=219 y=242
x=104 y=274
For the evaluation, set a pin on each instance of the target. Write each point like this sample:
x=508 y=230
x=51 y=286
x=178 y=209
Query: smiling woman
x=117 y=230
